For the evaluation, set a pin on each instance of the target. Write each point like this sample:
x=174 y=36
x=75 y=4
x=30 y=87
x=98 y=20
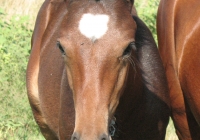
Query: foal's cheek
x=69 y=78
x=118 y=88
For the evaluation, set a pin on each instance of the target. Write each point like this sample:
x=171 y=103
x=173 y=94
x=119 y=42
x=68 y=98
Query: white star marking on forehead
x=93 y=26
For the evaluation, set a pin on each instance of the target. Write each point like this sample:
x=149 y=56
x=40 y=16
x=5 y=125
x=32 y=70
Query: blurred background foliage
x=16 y=26
x=147 y=11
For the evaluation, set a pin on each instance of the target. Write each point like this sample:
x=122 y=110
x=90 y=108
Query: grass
x=21 y=7
x=16 y=119
x=170 y=134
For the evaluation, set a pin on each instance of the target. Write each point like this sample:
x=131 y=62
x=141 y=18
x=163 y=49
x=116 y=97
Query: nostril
x=75 y=136
x=104 y=137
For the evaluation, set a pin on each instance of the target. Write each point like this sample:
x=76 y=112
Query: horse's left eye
x=129 y=49
x=61 y=48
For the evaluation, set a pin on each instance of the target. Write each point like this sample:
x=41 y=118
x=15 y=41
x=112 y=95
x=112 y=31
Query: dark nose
x=76 y=136
x=104 y=137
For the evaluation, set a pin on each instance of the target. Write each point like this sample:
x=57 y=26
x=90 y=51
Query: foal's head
x=96 y=40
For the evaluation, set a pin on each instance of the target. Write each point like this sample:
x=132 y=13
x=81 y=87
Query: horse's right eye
x=61 y=48
x=129 y=49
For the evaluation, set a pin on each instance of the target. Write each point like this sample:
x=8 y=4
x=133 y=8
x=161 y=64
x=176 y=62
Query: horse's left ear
x=67 y=2
x=131 y=1
x=130 y=4
x=131 y=7
x=144 y=42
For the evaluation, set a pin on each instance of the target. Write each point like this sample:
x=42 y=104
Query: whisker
x=130 y=59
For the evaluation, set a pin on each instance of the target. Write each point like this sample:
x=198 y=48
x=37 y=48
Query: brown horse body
x=104 y=84
x=178 y=25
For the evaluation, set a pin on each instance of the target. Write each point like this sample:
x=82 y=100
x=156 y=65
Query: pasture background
x=17 y=19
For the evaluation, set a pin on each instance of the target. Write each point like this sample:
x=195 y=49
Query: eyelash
x=61 y=48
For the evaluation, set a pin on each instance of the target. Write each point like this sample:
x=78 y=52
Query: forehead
x=95 y=21
x=93 y=26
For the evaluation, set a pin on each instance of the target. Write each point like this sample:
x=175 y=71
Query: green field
x=16 y=119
